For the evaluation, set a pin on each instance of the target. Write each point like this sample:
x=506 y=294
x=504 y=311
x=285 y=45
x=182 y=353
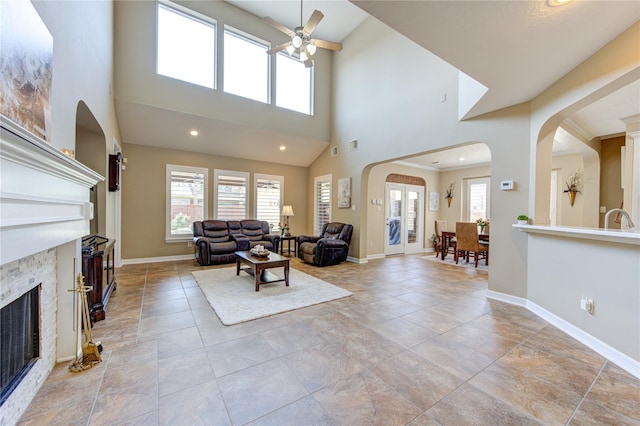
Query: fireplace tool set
x=90 y=349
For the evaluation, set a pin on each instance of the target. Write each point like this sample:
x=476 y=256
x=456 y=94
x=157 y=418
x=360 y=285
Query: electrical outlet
x=189 y=244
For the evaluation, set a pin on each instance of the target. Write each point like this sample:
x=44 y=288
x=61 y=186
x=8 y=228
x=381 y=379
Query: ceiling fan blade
x=279 y=26
x=279 y=47
x=327 y=44
x=313 y=22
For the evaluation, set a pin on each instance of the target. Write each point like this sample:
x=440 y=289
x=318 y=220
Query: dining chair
x=441 y=226
x=468 y=244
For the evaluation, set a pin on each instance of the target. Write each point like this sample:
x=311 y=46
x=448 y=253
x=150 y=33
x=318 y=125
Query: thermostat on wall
x=506 y=185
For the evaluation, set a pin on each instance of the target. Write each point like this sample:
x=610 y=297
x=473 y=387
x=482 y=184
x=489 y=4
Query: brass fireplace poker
x=90 y=350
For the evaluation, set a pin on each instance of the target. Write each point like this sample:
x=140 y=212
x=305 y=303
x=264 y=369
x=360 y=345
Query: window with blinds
x=186 y=200
x=268 y=198
x=477 y=199
x=231 y=195
x=322 y=202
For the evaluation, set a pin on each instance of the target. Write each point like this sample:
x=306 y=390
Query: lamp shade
x=287 y=211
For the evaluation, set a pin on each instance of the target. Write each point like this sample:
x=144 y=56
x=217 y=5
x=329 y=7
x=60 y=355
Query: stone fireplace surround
x=44 y=213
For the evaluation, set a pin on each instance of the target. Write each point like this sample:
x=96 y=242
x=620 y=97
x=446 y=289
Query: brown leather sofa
x=329 y=248
x=216 y=241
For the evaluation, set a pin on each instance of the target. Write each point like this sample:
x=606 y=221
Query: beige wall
x=611 y=192
x=457 y=211
x=144 y=196
x=376 y=225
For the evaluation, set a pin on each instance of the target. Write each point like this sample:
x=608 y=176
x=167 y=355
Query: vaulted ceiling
x=501 y=44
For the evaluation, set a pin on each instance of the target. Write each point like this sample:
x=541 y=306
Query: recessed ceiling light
x=554 y=3
x=461 y=159
x=193 y=133
x=282 y=147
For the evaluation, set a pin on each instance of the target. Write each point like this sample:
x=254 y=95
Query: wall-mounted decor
x=26 y=57
x=115 y=167
x=434 y=201
x=449 y=195
x=574 y=186
x=344 y=193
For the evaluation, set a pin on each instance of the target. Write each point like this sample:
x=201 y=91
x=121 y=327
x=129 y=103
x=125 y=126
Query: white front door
x=404 y=219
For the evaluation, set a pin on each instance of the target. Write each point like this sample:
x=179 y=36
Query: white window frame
x=278 y=86
x=198 y=17
x=477 y=180
x=216 y=174
x=277 y=178
x=317 y=226
x=169 y=237
x=259 y=42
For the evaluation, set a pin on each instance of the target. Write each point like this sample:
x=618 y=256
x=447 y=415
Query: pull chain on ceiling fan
x=301 y=41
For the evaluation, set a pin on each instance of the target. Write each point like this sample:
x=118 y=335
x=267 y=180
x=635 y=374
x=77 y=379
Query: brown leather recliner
x=329 y=248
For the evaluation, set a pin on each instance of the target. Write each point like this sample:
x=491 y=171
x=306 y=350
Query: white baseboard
x=622 y=360
x=375 y=256
x=356 y=260
x=157 y=259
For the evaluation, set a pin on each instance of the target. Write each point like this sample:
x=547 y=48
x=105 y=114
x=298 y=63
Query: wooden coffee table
x=257 y=266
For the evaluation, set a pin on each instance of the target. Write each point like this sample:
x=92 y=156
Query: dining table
x=448 y=236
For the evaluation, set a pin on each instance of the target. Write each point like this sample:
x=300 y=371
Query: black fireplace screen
x=20 y=340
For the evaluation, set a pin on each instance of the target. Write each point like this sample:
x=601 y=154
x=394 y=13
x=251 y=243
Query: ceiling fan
x=301 y=41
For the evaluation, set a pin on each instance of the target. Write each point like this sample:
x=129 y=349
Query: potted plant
x=434 y=239
x=482 y=223
x=523 y=219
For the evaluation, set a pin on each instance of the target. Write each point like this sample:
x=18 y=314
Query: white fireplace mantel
x=44 y=195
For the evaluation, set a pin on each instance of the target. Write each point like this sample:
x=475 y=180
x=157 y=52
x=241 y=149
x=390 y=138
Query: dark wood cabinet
x=115 y=167
x=98 y=268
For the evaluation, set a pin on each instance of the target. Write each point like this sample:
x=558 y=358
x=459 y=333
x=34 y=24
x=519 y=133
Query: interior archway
x=92 y=152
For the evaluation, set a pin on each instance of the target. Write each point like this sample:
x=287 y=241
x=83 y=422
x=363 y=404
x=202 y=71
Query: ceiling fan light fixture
x=311 y=48
x=290 y=49
x=303 y=56
x=296 y=41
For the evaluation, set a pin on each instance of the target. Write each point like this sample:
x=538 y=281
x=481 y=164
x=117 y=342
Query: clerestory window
x=185 y=45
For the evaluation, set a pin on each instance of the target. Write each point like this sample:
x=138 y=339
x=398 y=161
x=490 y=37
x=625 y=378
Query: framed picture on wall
x=344 y=193
x=26 y=58
x=434 y=201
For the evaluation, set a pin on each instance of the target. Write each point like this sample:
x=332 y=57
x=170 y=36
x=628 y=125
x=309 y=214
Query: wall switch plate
x=603 y=209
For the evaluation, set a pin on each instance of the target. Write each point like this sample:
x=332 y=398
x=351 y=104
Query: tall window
x=231 y=202
x=322 y=202
x=246 y=66
x=477 y=199
x=186 y=45
x=268 y=198
x=186 y=200
x=293 y=84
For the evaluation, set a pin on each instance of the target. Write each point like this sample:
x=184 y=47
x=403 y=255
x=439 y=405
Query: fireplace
x=19 y=340
x=45 y=211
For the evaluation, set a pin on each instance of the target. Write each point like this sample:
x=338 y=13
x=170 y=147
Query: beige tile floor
x=418 y=343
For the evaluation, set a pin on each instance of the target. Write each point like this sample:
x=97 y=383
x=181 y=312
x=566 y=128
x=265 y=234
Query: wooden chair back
x=467 y=237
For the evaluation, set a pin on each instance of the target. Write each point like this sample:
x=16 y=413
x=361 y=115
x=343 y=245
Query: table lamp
x=286 y=212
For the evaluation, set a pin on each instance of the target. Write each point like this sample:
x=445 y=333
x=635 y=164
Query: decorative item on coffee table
x=260 y=251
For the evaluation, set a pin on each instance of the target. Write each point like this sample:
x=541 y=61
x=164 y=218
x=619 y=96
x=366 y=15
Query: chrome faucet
x=626 y=217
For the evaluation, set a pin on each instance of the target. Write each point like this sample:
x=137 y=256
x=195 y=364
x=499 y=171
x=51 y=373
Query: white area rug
x=461 y=263
x=235 y=299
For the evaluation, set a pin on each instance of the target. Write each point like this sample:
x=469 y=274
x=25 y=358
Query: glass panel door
x=394 y=243
x=414 y=219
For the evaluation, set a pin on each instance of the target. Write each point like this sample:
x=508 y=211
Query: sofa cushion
x=216 y=230
x=252 y=229
x=222 y=248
